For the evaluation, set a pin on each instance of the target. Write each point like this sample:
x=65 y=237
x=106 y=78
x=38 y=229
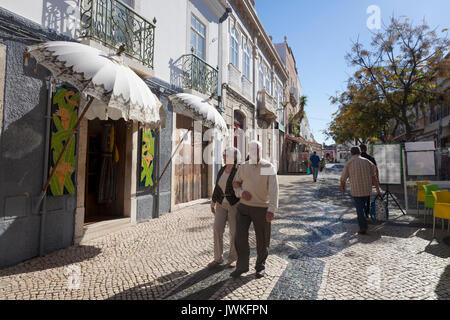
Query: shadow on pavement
x=61 y=258
x=442 y=289
x=200 y=228
x=210 y=291
x=180 y=285
x=154 y=289
x=436 y=247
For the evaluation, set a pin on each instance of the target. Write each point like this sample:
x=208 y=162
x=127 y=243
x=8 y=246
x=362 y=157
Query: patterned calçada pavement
x=315 y=253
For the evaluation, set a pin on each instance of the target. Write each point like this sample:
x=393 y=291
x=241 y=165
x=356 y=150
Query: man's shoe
x=260 y=274
x=237 y=273
x=213 y=264
x=363 y=232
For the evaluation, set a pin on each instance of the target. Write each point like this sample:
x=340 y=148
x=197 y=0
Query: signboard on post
x=420 y=158
x=421 y=163
x=419 y=146
x=389 y=162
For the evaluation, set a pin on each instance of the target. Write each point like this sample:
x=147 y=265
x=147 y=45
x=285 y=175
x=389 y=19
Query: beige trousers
x=224 y=212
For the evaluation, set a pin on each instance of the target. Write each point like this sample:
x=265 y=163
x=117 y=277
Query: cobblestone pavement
x=315 y=253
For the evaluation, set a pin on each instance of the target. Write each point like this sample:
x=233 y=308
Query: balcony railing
x=266 y=106
x=199 y=75
x=114 y=24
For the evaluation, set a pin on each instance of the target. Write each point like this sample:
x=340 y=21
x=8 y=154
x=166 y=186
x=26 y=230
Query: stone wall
x=22 y=152
x=146 y=206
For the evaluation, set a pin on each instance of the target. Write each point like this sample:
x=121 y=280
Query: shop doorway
x=191 y=180
x=105 y=170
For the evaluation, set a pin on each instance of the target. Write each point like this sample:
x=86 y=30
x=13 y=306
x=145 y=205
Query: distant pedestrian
x=315 y=162
x=224 y=207
x=364 y=154
x=256 y=183
x=322 y=164
x=362 y=175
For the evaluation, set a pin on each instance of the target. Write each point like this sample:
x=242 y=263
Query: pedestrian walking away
x=315 y=162
x=364 y=154
x=362 y=175
x=223 y=206
x=256 y=183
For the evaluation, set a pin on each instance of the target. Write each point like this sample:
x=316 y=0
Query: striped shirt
x=360 y=171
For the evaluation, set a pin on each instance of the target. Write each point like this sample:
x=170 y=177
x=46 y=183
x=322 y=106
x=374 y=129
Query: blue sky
x=320 y=33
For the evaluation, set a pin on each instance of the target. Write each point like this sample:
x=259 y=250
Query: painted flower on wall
x=65 y=113
x=147 y=156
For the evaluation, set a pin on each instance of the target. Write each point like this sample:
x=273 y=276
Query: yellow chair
x=441 y=207
x=420 y=193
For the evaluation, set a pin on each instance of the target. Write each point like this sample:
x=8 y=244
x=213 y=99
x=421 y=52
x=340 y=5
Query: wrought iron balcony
x=113 y=23
x=266 y=106
x=199 y=75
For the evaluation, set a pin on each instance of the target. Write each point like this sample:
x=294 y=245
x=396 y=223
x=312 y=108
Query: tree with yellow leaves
x=395 y=79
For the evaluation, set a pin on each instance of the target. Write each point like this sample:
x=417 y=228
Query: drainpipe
x=156 y=164
x=255 y=84
x=220 y=75
x=220 y=58
x=46 y=156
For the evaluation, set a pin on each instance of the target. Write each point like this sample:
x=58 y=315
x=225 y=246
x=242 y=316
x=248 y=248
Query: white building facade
x=253 y=78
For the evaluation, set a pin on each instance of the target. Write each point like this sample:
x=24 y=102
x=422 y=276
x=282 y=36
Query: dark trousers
x=367 y=208
x=245 y=216
x=360 y=204
x=315 y=172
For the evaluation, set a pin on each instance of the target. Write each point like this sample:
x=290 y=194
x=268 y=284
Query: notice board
x=421 y=163
x=389 y=162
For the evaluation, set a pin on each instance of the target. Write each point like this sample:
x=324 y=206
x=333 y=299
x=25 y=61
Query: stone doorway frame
x=130 y=200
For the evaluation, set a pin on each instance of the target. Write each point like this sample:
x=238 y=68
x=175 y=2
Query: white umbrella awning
x=114 y=90
x=198 y=109
x=118 y=91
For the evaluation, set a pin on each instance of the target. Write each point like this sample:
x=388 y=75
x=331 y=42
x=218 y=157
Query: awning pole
x=72 y=133
x=170 y=160
x=46 y=156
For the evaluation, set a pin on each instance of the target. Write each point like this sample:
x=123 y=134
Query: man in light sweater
x=256 y=183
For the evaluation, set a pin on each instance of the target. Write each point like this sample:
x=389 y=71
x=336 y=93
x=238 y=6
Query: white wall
x=172 y=38
x=31 y=9
x=59 y=15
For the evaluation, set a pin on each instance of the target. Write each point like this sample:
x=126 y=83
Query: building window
x=280 y=107
x=234 y=46
x=268 y=81
x=260 y=77
x=246 y=60
x=275 y=94
x=198 y=37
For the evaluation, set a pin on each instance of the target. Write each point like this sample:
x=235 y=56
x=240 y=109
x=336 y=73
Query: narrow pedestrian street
x=315 y=253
